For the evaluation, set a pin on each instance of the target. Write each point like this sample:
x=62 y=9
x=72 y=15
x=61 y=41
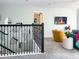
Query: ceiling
x=39 y=2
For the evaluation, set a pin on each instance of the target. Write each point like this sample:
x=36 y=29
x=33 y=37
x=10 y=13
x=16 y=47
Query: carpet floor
x=53 y=50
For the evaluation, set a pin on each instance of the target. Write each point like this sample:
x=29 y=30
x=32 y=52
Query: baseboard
x=47 y=37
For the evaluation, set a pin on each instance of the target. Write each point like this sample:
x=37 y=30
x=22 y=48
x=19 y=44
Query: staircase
x=24 y=38
x=4 y=45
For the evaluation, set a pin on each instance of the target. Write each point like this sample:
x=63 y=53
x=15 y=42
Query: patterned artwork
x=60 y=20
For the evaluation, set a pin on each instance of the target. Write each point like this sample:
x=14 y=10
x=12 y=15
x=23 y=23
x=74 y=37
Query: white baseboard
x=23 y=54
x=47 y=37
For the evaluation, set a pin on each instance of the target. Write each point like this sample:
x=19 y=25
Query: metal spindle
x=7 y=40
x=27 y=43
x=34 y=38
x=10 y=39
x=42 y=50
x=29 y=38
x=22 y=39
x=16 y=38
x=1 y=41
x=19 y=39
x=13 y=40
x=4 y=41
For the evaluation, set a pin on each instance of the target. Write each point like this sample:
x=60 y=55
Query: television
x=60 y=20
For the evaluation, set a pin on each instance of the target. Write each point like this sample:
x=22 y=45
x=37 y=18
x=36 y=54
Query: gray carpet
x=53 y=50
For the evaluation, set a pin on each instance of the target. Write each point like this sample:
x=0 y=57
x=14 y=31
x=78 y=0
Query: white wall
x=78 y=19
x=18 y=14
x=1 y=10
x=25 y=14
x=49 y=19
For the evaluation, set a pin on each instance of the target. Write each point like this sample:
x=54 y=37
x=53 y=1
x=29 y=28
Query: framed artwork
x=60 y=20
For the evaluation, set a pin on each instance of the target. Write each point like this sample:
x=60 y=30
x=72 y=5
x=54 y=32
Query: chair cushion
x=58 y=35
x=75 y=31
x=77 y=36
x=77 y=43
x=77 y=39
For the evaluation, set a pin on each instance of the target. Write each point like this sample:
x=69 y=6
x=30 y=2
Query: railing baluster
x=7 y=40
x=16 y=38
x=32 y=40
x=40 y=35
x=13 y=40
x=37 y=38
x=1 y=41
x=34 y=37
x=21 y=39
x=24 y=39
x=4 y=41
x=10 y=39
x=27 y=40
x=42 y=50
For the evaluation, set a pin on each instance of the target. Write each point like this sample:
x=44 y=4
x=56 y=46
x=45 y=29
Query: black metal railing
x=24 y=38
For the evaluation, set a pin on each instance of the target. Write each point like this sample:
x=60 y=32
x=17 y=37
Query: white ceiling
x=40 y=2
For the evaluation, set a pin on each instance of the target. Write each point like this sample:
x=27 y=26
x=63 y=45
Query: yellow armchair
x=58 y=35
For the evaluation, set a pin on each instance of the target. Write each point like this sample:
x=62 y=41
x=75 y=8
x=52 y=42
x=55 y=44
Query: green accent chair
x=73 y=34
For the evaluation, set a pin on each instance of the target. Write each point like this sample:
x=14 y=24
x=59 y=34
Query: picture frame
x=60 y=20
